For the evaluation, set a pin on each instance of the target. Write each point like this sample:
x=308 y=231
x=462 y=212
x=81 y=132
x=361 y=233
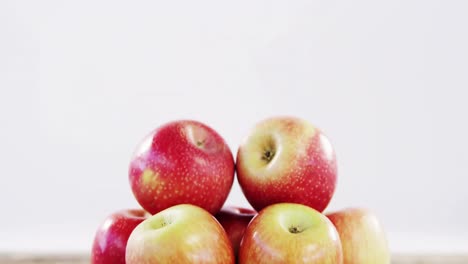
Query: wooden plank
x=430 y=259
x=83 y=259
x=43 y=259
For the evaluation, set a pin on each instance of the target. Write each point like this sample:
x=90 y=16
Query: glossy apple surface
x=290 y=233
x=234 y=221
x=362 y=236
x=111 y=237
x=180 y=234
x=182 y=162
x=286 y=159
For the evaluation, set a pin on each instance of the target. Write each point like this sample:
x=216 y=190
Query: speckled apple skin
x=362 y=236
x=169 y=168
x=267 y=239
x=180 y=234
x=304 y=169
x=111 y=238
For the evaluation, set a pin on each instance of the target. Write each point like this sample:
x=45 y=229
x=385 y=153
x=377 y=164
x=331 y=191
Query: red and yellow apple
x=111 y=238
x=290 y=233
x=286 y=159
x=234 y=221
x=182 y=162
x=180 y=234
x=362 y=236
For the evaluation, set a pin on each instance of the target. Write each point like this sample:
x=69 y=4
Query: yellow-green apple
x=180 y=234
x=111 y=238
x=182 y=162
x=286 y=159
x=290 y=233
x=362 y=236
x=234 y=221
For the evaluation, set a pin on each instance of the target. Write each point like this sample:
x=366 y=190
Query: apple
x=111 y=237
x=180 y=234
x=290 y=233
x=182 y=162
x=234 y=221
x=362 y=236
x=286 y=159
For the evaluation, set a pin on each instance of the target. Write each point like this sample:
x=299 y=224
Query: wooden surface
x=77 y=259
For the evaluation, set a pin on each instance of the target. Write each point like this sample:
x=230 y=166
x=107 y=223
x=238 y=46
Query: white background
x=83 y=81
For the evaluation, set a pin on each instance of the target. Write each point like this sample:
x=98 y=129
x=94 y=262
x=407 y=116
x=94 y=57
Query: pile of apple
x=182 y=173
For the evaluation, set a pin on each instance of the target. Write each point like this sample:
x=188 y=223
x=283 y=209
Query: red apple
x=234 y=221
x=182 y=162
x=180 y=234
x=362 y=236
x=290 y=233
x=111 y=237
x=287 y=159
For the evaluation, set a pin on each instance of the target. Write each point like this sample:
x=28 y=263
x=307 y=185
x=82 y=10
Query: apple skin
x=111 y=238
x=180 y=234
x=290 y=233
x=286 y=159
x=362 y=237
x=182 y=162
x=234 y=221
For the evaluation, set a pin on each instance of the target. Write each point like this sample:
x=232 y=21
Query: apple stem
x=294 y=230
x=268 y=155
x=200 y=143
